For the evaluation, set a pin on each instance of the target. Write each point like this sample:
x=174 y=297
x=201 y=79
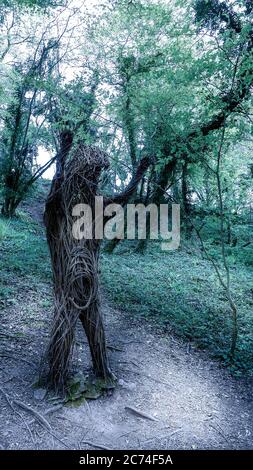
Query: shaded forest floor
x=195 y=403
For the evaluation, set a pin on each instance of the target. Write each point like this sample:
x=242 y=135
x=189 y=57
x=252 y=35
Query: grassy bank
x=24 y=259
x=180 y=292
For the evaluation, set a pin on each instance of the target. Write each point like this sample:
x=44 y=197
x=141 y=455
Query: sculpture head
x=82 y=172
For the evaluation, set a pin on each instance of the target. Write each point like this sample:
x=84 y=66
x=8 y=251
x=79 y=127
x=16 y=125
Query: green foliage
x=24 y=257
x=80 y=388
x=4 y=229
x=30 y=3
x=179 y=292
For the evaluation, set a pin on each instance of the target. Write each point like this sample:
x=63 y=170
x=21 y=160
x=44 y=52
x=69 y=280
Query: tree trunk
x=185 y=190
x=9 y=206
x=186 y=201
x=11 y=200
x=165 y=177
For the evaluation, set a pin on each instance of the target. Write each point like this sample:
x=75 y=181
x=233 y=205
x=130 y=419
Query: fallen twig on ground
x=114 y=348
x=140 y=413
x=49 y=411
x=35 y=413
x=94 y=444
x=12 y=336
x=15 y=358
x=147 y=376
x=10 y=403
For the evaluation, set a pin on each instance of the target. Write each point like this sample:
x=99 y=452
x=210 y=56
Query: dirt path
x=195 y=403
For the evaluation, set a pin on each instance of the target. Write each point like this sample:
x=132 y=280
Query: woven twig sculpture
x=75 y=265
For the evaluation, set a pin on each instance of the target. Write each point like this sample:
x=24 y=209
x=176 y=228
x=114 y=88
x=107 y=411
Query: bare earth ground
x=194 y=402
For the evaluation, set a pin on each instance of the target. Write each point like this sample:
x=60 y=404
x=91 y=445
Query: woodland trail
x=194 y=403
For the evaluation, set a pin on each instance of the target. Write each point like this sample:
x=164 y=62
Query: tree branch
x=123 y=197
